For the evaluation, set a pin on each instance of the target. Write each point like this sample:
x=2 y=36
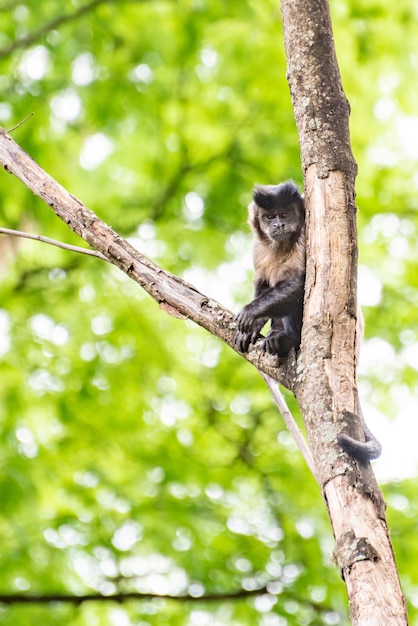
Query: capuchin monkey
x=277 y=219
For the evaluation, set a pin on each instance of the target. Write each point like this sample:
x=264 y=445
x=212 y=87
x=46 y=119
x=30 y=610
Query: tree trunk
x=325 y=383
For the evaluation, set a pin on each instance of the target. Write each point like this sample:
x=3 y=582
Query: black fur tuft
x=272 y=197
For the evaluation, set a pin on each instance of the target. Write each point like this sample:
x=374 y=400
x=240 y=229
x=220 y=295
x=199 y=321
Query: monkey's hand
x=248 y=329
x=243 y=340
x=247 y=321
x=278 y=342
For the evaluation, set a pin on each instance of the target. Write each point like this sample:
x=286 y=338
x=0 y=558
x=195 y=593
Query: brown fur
x=274 y=262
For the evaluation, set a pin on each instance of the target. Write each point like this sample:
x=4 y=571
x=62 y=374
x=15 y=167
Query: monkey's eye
x=283 y=215
x=271 y=216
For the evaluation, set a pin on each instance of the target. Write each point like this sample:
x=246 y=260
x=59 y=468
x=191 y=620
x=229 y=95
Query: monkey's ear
x=252 y=213
x=254 y=218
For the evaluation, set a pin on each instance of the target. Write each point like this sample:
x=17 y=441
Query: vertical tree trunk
x=325 y=383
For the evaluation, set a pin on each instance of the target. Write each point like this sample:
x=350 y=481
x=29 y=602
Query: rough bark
x=325 y=382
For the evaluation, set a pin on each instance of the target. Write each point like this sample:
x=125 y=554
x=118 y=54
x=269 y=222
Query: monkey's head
x=277 y=213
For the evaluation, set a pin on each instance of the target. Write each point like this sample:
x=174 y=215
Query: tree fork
x=325 y=384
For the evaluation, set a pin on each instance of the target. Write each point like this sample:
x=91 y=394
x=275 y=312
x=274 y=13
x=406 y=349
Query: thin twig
x=289 y=420
x=25 y=119
x=52 y=242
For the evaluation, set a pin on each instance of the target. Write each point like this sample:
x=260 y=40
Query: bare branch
x=25 y=119
x=16 y=598
x=172 y=293
x=278 y=397
x=47 y=598
x=30 y=38
x=52 y=242
x=289 y=420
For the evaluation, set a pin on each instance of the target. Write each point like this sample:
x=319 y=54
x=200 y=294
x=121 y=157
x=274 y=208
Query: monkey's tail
x=363 y=451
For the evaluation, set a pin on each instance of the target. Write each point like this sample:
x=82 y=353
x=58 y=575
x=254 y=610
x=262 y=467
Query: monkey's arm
x=277 y=301
x=244 y=339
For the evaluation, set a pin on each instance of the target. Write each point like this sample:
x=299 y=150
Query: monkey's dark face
x=282 y=223
x=277 y=212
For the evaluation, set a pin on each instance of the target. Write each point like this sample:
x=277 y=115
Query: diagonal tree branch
x=173 y=295
x=181 y=300
x=277 y=396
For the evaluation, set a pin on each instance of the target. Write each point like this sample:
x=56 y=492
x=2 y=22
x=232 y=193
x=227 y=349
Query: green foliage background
x=137 y=453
